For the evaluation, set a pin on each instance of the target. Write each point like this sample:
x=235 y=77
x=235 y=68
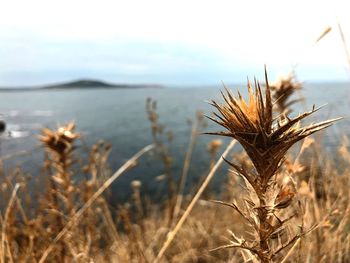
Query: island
x=81 y=84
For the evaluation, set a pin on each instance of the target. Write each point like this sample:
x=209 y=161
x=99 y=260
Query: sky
x=170 y=42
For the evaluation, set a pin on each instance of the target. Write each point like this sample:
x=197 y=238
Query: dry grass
x=281 y=208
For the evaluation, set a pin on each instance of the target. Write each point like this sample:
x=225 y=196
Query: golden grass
x=280 y=208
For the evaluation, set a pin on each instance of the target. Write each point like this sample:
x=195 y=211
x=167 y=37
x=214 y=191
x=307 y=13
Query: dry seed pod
x=265 y=139
x=59 y=141
x=283 y=90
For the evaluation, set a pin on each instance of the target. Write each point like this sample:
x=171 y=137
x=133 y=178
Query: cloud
x=121 y=61
x=167 y=41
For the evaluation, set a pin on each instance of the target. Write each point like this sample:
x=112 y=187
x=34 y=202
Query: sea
x=119 y=117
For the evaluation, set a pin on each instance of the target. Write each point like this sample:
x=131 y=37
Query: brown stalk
x=59 y=146
x=344 y=42
x=185 y=169
x=77 y=215
x=164 y=154
x=266 y=140
x=171 y=235
x=4 y=224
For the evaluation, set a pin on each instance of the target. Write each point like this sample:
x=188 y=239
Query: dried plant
x=197 y=125
x=163 y=152
x=266 y=140
x=283 y=90
x=213 y=147
x=59 y=146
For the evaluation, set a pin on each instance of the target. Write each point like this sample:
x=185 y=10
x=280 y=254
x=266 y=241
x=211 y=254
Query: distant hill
x=89 y=84
x=81 y=84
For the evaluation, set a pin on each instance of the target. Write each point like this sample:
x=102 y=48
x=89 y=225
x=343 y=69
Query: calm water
x=119 y=116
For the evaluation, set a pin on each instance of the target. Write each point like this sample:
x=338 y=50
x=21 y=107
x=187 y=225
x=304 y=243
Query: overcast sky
x=170 y=42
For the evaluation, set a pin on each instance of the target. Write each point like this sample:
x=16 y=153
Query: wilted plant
x=163 y=152
x=59 y=146
x=266 y=140
x=283 y=90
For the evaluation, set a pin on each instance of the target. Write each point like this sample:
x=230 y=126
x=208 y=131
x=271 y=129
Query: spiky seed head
x=265 y=139
x=59 y=141
x=283 y=90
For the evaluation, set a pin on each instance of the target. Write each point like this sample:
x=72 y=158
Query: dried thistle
x=59 y=142
x=59 y=146
x=283 y=90
x=266 y=140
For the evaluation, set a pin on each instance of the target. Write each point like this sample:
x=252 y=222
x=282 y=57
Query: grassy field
x=274 y=207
